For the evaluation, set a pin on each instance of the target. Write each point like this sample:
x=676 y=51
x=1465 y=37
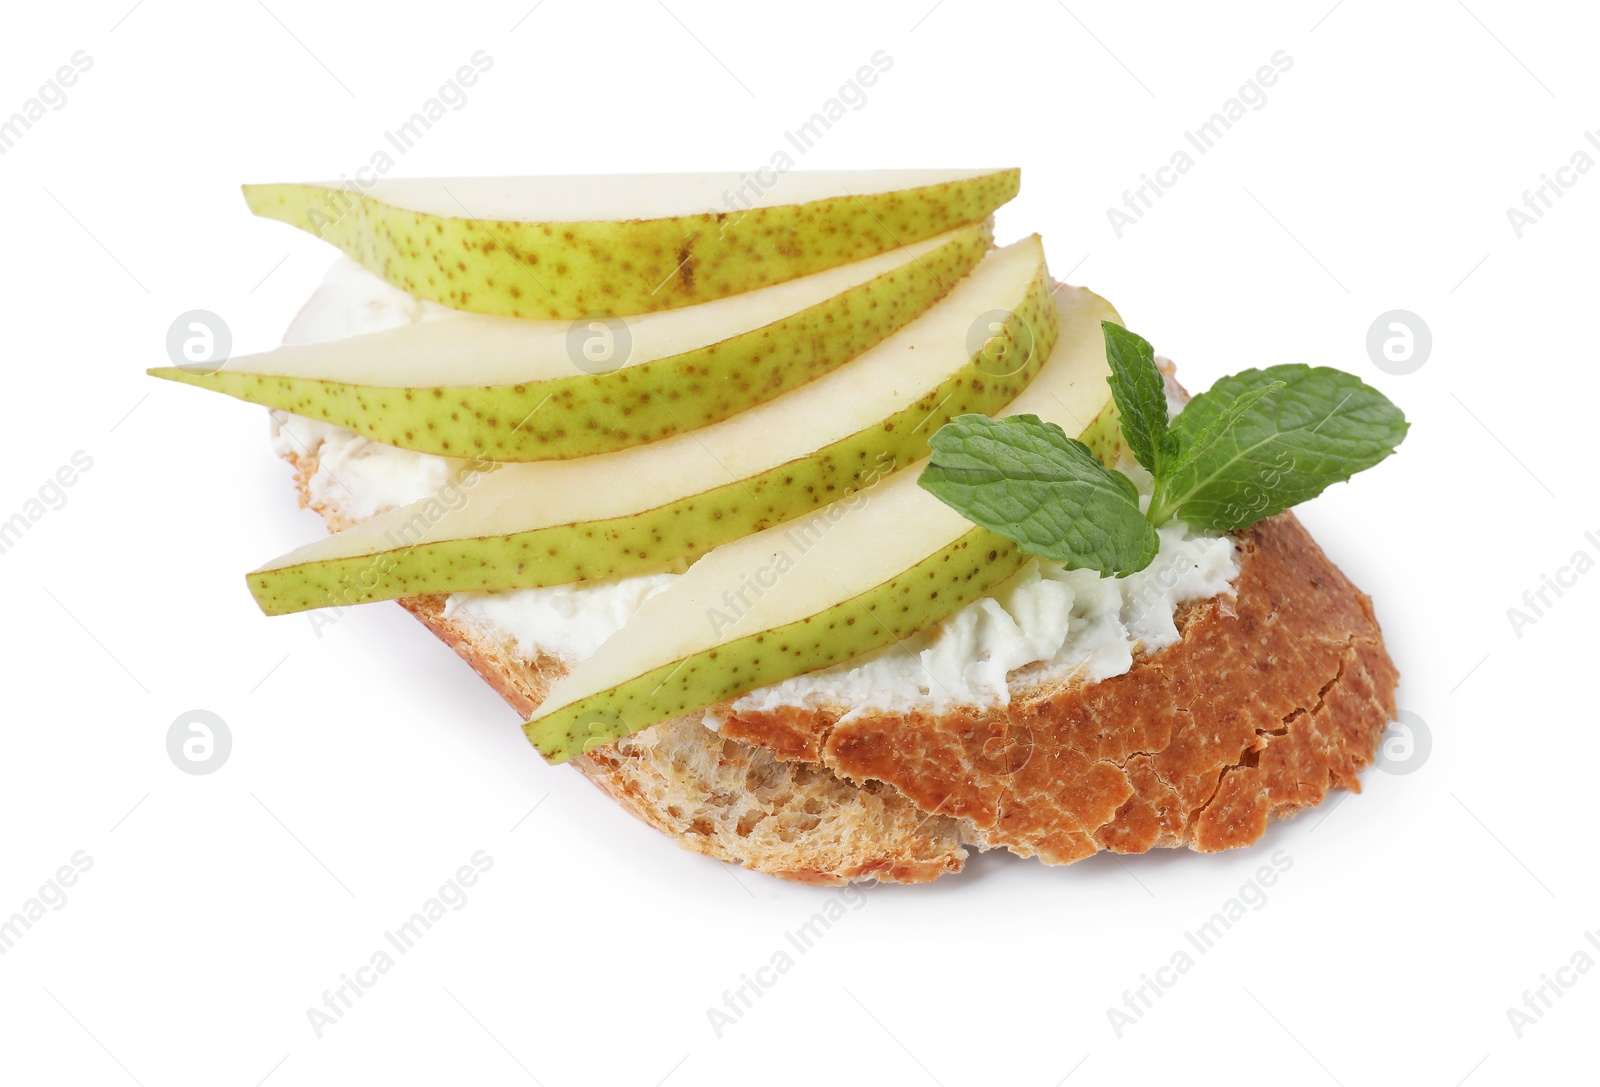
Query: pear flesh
x=562 y=248
x=556 y=522
x=516 y=390
x=885 y=563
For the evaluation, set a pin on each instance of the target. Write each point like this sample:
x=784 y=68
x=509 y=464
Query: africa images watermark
x=1250 y=898
x=51 y=495
x=450 y=897
x=752 y=986
x=451 y=97
x=408 y=531
x=1251 y=97
x=50 y=97
x=1536 y=202
x=1538 y=1001
x=51 y=897
x=850 y=98
x=1537 y=602
x=803 y=534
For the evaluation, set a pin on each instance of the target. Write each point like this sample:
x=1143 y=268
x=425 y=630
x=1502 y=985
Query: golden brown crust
x=1270 y=699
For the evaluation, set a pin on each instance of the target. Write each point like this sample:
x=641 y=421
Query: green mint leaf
x=1258 y=442
x=1141 y=395
x=1026 y=480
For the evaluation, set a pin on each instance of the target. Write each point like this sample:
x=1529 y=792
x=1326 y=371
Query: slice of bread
x=1273 y=696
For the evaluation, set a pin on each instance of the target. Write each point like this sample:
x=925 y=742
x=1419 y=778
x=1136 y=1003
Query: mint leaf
x=1141 y=395
x=1026 y=480
x=1258 y=442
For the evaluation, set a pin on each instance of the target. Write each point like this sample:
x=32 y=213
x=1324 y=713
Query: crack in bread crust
x=1271 y=698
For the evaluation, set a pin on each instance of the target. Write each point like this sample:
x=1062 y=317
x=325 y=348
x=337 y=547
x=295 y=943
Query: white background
x=368 y=764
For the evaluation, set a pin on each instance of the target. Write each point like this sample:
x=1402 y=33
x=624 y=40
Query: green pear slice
x=862 y=574
x=517 y=390
x=561 y=248
x=555 y=522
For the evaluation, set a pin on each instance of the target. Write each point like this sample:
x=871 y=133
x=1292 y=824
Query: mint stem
x=1158 y=513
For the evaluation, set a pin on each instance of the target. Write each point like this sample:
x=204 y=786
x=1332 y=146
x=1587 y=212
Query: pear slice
x=561 y=248
x=861 y=574
x=554 y=522
x=515 y=390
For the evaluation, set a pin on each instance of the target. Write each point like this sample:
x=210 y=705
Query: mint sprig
x=1253 y=445
x=1025 y=479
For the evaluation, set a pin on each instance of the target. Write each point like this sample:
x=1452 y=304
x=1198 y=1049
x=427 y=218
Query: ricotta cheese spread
x=1043 y=625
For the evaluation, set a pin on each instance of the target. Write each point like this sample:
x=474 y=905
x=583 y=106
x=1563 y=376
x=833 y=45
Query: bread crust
x=1271 y=698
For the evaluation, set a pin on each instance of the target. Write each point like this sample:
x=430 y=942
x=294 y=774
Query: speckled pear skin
x=650 y=539
x=564 y=271
x=965 y=570
x=585 y=414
